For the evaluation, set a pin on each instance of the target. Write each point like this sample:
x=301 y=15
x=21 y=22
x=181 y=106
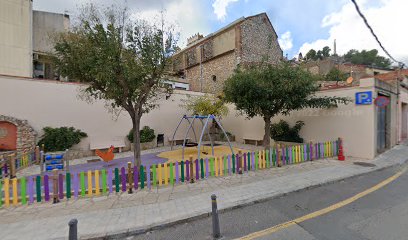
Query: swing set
x=190 y=120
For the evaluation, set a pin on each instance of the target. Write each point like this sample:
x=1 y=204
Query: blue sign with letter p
x=364 y=98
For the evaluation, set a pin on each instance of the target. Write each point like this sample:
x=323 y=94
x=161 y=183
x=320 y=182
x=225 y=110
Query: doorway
x=383 y=125
x=8 y=136
x=404 y=121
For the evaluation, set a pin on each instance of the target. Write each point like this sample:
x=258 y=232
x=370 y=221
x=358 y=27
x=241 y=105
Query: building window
x=214 y=78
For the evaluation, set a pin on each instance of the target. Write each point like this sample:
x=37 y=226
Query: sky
x=300 y=25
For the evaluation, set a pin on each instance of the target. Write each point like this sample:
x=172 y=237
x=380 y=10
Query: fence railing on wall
x=57 y=185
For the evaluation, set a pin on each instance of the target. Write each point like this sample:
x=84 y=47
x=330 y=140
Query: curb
x=132 y=232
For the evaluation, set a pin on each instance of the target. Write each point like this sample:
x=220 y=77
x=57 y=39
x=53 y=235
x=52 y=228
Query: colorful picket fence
x=20 y=161
x=56 y=186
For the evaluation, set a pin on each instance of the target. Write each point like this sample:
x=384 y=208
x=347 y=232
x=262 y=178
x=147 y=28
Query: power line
x=375 y=36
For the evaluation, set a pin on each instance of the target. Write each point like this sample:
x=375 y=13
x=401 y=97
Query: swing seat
x=191 y=144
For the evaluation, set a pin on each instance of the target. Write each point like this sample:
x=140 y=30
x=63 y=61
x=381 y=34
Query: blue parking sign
x=364 y=98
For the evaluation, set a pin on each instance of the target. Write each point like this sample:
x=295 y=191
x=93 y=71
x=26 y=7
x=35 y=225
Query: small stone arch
x=26 y=135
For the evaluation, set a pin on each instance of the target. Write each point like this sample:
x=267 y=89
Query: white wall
x=355 y=124
x=16 y=38
x=51 y=103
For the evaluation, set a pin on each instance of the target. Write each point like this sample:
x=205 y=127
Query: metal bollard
x=215 y=220
x=73 y=229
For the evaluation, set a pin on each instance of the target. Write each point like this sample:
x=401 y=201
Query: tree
x=336 y=75
x=121 y=60
x=365 y=57
x=206 y=105
x=267 y=91
x=326 y=52
x=320 y=54
x=311 y=55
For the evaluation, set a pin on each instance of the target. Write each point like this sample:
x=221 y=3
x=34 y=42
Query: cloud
x=285 y=41
x=346 y=26
x=220 y=8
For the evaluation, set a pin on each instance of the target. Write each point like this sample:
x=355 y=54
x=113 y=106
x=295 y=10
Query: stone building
x=357 y=71
x=206 y=62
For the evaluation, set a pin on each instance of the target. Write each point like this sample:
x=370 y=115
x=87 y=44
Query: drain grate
x=364 y=164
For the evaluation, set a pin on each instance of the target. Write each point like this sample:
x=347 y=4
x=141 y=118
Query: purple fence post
x=46 y=188
x=110 y=180
x=76 y=185
x=321 y=150
x=61 y=186
x=316 y=151
x=305 y=151
x=197 y=170
x=229 y=165
x=245 y=162
x=290 y=154
x=30 y=190
x=148 y=176
x=311 y=151
x=177 y=172
x=136 y=177
x=123 y=177
x=253 y=161
x=283 y=156
x=206 y=168
x=187 y=170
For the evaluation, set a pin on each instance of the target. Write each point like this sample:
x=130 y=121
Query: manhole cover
x=364 y=164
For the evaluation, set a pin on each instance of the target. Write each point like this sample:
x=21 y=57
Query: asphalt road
x=382 y=214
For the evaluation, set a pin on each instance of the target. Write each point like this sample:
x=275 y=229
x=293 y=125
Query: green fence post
x=68 y=184
x=23 y=191
x=82 y=179
x=117 y=180
x=202 y=168
x=171 y=173
x=38 y=188
x=103 y=180
x=182 y=171
x=142 y=177
x=212 y=167
x=233 y=163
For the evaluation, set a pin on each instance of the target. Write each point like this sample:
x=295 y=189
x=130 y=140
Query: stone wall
x=259 y=42
x=221 y=67
x=26 y=135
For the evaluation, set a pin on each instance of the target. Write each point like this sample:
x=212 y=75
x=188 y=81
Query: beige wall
x=224 y=42
x=355 y=124
x=16 y=37
x=47 y=103
x=55 y=104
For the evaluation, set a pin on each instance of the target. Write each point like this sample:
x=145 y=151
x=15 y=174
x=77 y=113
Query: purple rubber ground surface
x=116 y=163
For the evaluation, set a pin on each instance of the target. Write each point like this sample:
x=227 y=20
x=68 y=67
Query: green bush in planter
x=281 y=131
x=146 y=135
x=60 y=139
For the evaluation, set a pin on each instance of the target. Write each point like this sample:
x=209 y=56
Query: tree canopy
x=206 y=105
x=365 y=57
x=267 y=91
x=320 y=54
x=336 y=75
x=121 y=60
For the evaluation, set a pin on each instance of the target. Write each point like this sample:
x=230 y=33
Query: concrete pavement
x=123 y=214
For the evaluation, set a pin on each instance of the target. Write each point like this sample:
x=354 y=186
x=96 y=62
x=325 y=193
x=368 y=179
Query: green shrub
x=223 y=138
x=60 y=139
x=281 y=131
x=146 y=135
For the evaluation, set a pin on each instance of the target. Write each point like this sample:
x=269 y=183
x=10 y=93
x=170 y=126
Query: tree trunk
x=267 y=136
x=136 y=140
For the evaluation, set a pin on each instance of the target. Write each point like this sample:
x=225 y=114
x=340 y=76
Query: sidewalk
x=122 y=214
